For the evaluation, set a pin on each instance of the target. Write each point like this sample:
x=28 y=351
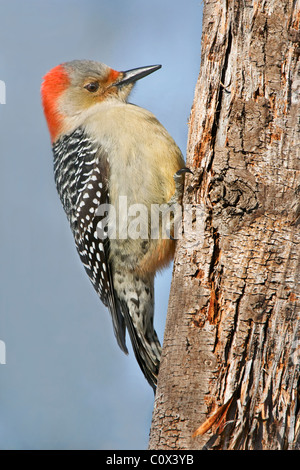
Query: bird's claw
x=179 y=180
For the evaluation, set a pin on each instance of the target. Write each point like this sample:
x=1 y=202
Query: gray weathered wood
x=232 y=333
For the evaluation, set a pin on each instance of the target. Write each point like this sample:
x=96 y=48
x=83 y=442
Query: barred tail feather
x=135 y=299
x=146 y=346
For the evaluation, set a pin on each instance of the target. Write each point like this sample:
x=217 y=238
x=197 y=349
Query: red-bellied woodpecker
x=106 y=149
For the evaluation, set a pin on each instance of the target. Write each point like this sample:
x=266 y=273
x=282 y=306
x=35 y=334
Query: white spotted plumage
x=106 y=148
x=79 y=193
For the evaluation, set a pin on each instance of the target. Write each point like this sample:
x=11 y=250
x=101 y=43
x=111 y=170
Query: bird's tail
x=137 y=307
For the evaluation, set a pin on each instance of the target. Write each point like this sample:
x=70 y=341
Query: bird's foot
x=179 y=183
x=175 y=202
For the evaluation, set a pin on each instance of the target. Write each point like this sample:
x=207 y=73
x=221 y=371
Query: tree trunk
x=229 y=376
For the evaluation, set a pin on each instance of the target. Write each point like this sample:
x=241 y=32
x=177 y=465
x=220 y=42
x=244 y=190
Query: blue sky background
x=66 y=383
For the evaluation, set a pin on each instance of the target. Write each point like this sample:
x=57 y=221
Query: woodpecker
x=105 y=148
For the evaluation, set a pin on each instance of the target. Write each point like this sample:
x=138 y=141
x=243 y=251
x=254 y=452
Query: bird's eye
x=92 y=87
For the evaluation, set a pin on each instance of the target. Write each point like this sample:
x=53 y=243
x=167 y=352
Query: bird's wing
x=87 y=190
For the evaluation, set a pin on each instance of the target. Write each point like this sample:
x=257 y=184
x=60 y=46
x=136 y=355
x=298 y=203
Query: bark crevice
x=231 y=354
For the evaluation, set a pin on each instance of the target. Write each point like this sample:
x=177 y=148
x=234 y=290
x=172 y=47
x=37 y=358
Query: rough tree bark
x=229 y=376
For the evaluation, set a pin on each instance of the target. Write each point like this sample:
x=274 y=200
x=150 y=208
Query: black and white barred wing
x=81 y=174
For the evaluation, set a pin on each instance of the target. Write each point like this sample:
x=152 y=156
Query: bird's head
x=73 y=87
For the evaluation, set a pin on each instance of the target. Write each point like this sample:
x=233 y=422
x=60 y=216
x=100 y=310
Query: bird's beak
x=135 y=74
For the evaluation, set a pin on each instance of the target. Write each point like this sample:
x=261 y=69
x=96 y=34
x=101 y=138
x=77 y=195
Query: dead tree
x=229 y=376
